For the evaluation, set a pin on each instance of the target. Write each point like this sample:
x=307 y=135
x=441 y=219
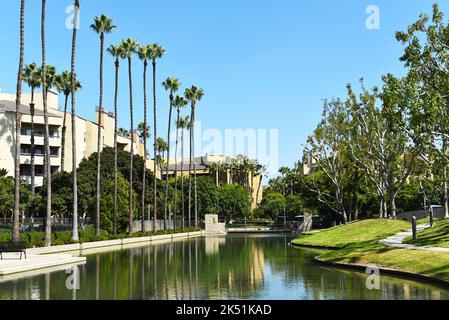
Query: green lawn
x=356 y=232
x=359 y=243
x=438 y=236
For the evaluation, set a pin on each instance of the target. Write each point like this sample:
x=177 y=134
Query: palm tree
x=64 y=86
x=75 y=235
x=179 y=103
x=117 y=53
x=101 y=26
x=16 y=226
x=47 y=166
x=144 y=55
x=31 y=75
x=262 y=172
x=161 y=148
x=144 y=133
x=193 y=94
x=155 y=52
x=184 y=123
x=172 y=85
x=129 y=48
x=122 y=132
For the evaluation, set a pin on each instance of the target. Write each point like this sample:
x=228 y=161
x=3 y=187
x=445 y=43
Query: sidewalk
x=397 y=239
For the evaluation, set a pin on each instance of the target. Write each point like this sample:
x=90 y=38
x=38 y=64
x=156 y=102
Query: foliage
x=233 y=202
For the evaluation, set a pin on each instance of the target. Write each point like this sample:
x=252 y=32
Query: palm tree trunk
x=192 y=134
x=182 y=180
x=33 y=147
x=114 y=213
x=99 y=140
x=131 y=112
x=168 y=159
x=63 y=135
x=155 y=152
x=190 y=173
x=258 y=188
x=16 y=226
x=47 y=129
x=75 y=235
x=144 y=144
x=176 y=169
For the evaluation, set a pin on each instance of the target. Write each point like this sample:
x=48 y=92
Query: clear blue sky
x=263 y=64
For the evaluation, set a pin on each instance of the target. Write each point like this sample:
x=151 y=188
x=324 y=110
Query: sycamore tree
x=426 y=56
x=327 y=150
x=378 y=144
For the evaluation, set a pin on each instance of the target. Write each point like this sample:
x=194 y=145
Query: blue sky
x=263 y=64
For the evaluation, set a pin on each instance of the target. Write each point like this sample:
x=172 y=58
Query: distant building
x=86 y=135
x=225 y=176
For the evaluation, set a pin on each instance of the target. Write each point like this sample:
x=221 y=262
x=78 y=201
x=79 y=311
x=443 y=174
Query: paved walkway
x=11 y=265
x=397 y=239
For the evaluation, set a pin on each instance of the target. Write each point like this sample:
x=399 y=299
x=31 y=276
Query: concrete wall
x=213 y=226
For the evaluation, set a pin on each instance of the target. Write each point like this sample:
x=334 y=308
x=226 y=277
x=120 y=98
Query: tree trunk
x=114 y=213
x=393 y=207
x=131 y=112
x=33 y=147
x=16 y=225
x=192 y=134
x=145 y=124
x=155 y=152
x=99 y=141
x=182 y=180
x=47 y=131
x=445 y=193
x=63 y=135
x=168 y=159
x=176 y=169
x=75 y=235
x=190 y=173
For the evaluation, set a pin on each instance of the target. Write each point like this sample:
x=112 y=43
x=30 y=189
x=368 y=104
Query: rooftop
x=10 y=106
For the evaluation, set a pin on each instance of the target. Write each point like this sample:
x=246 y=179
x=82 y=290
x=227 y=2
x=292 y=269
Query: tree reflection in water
x=231 y=267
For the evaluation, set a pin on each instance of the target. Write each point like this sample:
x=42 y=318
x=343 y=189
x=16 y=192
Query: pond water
x=229 y=267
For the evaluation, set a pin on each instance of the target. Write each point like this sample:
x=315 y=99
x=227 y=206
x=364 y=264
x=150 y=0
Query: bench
x=13 y=247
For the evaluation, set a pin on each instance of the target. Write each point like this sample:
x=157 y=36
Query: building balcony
x=55 y=160
x=39 y=140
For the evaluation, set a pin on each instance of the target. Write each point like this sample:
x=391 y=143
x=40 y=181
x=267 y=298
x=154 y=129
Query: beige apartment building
x=224 y=177
x=86 y=135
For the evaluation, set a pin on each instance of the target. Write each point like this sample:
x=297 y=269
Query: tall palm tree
x=184 y=124
x=161 y=147
x=117 y=53
x=122 y=132
x=129 y=48
x=144 y=55
x=32 y=76
x=144 y=133
x=47 y=165
x=179 y=103
x=172 y=85
x=16 y=226
x=75 y=235
x=193 y=94
x=102 y=25
x=155 y=52
x=64 y=86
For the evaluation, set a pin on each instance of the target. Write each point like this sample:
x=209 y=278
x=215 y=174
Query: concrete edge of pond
x=80 y=247
x=396 y=272
x=314 y=246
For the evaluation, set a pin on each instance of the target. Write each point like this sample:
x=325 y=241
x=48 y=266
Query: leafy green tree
x=233 y=202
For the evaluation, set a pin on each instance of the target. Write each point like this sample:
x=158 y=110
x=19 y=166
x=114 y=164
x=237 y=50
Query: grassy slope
x=361 y=245
x=438 y=236
x=357 y=232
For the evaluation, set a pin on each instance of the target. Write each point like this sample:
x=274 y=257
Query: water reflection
x=232 y=267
